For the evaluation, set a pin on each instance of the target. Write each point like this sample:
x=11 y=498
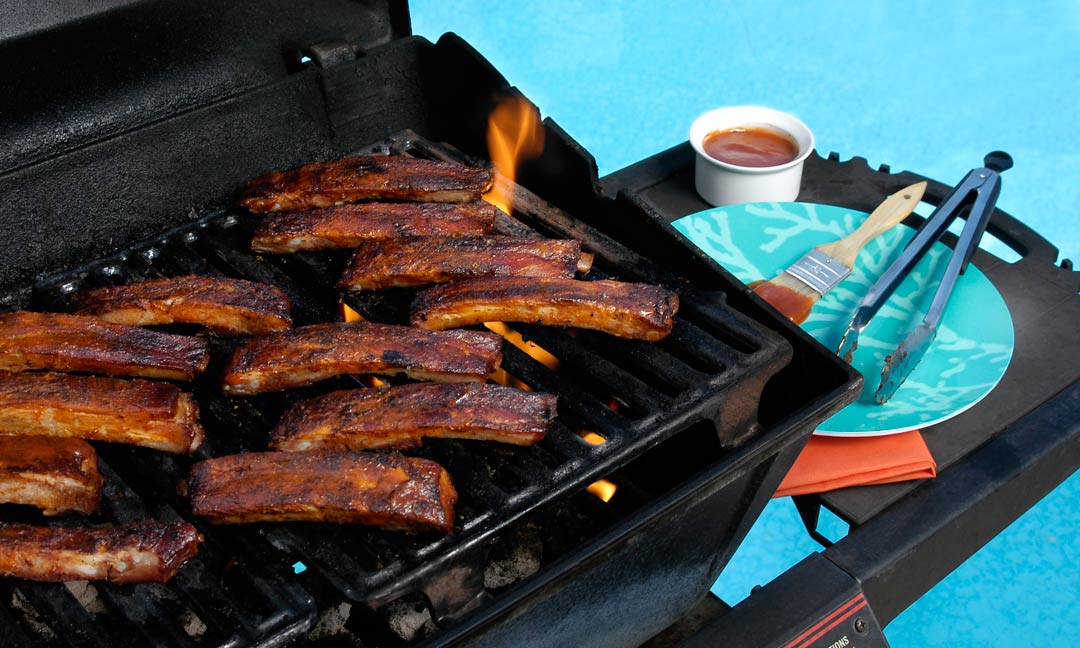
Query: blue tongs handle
x=985 y=185
x=976 y=195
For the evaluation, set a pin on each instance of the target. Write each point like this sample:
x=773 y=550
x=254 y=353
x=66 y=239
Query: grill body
x=704 y=427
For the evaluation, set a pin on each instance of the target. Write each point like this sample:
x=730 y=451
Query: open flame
x=534 y=350
x=514 y=135
x=603 y=489
x=592 y=438
x=537 y=352
x=350 y=315
x=501 y=377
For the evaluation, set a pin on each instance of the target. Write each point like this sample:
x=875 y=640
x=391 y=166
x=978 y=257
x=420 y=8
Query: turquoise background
x=925 y=86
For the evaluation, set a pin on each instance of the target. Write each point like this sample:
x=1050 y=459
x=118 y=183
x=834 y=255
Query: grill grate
x=213 y=601
x=634 y=395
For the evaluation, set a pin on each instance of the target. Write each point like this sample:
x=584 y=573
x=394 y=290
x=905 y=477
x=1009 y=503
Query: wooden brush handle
x=894 y=209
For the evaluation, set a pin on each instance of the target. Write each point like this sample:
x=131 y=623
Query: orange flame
x=603 y=489
x=514 y=134
x=501 y=377
x=348 y=314
x=592 y=438
x=535 y=351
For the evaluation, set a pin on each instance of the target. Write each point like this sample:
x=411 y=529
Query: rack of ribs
x=138 y=412
x=386 y=490
x=231 y=306
x=347 y=226
x=375 y=177
x=308 y=354
x=142 y=552
x=55 y=475
x=628 y=310
x=424 y=260
x=62 y=342
x=402 y=415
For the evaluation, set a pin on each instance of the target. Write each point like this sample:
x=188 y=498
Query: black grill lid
x=75 y=190
x=78 y=72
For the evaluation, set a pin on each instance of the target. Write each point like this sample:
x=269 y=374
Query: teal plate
x=974 y=341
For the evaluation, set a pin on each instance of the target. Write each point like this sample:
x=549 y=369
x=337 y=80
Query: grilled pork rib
x=391 y=491
x=346 y=226
x=308 y=354
x=376 y=177
x=55 y=475
x=143 y=552
x=225 y=305
x=61 y=342
x=401 y=416
x=418 y=261
x=628 y=310
x=140 y=412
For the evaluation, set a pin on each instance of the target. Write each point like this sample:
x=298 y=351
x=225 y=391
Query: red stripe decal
x=822 y=632
x=828 y=623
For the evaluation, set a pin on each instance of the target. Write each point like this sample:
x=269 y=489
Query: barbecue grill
x=124 y=162
x=695 y=432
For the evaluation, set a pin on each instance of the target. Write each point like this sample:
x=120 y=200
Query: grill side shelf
x=1041 y=297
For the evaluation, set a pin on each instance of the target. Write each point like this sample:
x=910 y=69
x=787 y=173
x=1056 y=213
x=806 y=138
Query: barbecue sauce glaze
x=794 y=305
x=751 y=146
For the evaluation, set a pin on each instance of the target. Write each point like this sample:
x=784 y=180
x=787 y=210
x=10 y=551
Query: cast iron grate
x=634 y=395
x=217 y=599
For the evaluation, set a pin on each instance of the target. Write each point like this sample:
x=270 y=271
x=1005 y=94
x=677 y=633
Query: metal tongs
x=974 y=196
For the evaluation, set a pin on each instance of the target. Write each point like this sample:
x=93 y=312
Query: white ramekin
x=721 y=183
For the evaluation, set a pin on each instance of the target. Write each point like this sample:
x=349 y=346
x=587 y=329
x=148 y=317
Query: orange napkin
x=828 y=463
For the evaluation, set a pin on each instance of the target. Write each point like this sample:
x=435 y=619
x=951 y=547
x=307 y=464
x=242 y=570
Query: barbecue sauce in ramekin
x=751 y=146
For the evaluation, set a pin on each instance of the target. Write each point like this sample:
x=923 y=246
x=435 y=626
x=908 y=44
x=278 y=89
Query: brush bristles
x=797 y=285
x=790 y=296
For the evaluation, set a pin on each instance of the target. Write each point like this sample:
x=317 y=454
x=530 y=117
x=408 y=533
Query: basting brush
x=794 y=291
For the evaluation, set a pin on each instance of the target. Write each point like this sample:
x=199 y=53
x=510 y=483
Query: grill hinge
x=330 y=53
x=348 y=95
